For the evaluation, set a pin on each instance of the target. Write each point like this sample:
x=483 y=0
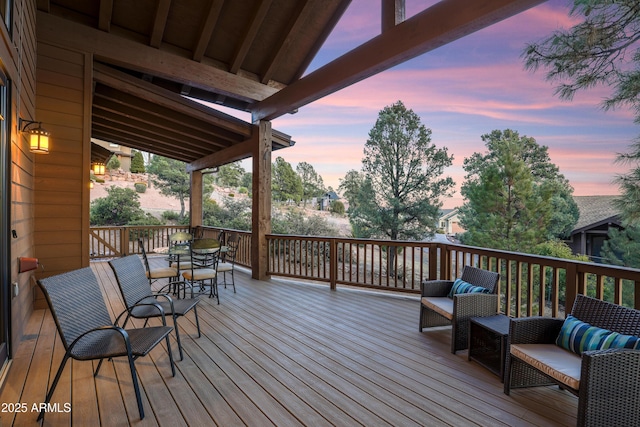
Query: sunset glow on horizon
x=462 y=91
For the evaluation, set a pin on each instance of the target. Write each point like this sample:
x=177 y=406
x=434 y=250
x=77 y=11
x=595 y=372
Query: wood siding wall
x=63 y=103
x=18 y=58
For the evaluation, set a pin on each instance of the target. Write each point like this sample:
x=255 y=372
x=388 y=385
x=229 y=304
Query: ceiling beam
x=159 y=23
x=136 y=56
x=442 y=23
x=206 y=29
x=234 y=153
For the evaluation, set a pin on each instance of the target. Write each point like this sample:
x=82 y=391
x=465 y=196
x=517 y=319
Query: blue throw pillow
x=578 y=336
x=616 y=340
x=462 y=287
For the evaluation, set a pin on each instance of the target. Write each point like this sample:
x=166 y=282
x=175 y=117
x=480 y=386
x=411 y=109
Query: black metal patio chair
x=140 y=300
x=86 y=329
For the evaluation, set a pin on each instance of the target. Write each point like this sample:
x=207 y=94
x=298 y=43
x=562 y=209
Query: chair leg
x=175 y=327
x=134 y=380
x=54 y=384
x=195 y=312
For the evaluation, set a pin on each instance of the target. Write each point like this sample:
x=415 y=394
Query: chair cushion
x=162 y=272
x=441 y=305
x=199 y=274
x=578 y=336
x=554 y=361
x=225 y=266
x=462 y=287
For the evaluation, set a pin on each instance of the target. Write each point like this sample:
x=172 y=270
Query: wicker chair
x=437 y=309
x=608 y=386
x=86 y=329
x=142 y=303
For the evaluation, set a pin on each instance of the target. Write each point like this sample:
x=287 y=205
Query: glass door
x=5 y=221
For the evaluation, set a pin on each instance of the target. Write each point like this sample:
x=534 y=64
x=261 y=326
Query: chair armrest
x=474 y=305
x=534 y=330
x=435 y=288
x=609 y=387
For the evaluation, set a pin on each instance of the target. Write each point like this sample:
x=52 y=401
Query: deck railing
x=529 y=284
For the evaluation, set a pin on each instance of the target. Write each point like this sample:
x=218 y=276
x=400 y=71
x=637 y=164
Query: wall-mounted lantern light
x=38 y=136
x=98 y=169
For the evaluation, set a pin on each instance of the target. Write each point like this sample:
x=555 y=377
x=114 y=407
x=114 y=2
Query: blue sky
x=462 y=91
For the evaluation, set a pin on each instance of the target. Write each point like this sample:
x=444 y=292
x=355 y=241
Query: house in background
x=123 y=153
x=449 y=222
x=326 y=200
x=597 y=215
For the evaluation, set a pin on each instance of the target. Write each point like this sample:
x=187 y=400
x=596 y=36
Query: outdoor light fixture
x=98 y=169
x=38 y=136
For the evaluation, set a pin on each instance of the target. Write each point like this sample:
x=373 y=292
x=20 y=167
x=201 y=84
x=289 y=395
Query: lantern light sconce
x=38 y=136
x=98 y=169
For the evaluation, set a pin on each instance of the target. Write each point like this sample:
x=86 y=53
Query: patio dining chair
x=180 y=238
x=156 y=273
x=142 y=303
x=204 y=267
x=227 y=262
x=86 y=329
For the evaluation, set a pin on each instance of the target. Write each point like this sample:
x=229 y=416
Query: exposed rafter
x=145 y=59
x=159 y=23
x=249 y=36
x=206 y=29
x=438 y=25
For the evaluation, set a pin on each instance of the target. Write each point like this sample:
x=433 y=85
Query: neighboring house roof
x=331 y=195
x=448 y=213
x=594 y=211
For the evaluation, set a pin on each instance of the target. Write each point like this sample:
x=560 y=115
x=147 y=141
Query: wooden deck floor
x=285 y=354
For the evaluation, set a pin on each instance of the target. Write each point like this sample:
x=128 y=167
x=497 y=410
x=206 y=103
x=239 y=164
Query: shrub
x=243 y=190
x=121 y=206
x=140 y=187
x=337 y=207
x=170 y=215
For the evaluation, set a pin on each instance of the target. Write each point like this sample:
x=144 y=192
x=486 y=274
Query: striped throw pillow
x=462 y=287
x=616 y=340
x=578 y=336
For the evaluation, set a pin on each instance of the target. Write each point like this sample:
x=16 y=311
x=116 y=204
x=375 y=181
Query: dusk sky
x=462 y=91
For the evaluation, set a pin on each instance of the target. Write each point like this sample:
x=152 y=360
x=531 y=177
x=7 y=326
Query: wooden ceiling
x=250 y=55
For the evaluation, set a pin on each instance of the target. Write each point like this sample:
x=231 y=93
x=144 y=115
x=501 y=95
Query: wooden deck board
x=286 y=354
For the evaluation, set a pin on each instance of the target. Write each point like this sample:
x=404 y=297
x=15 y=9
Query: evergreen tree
x=285 y=183
x=511 y=192
x=230 y=175
x=312 y=183
x=137 y=163
x=602 y=50
x=397 y=194
x=113 y=163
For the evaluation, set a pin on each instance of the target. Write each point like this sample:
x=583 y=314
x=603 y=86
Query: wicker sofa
x=607 y=381
x=438 y=309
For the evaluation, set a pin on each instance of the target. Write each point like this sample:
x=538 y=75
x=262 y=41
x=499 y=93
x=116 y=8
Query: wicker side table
x=488 y=338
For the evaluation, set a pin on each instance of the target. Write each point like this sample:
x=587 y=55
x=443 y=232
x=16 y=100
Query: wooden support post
x=261 y=218
x=195 y=199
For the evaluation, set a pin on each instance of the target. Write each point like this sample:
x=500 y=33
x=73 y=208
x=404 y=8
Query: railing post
x=333 y=264
x=124 y=241
x=571 y=287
